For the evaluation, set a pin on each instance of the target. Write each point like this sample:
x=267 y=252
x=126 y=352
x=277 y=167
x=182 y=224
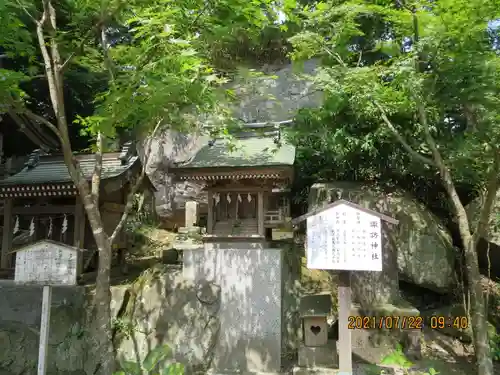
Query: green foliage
x=494 y=343
x=160 y=58
x=153 y=359
x=374 y=62
x=397 y=358
x=124 y=326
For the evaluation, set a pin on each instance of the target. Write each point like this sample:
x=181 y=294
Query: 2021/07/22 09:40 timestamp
x=407 y=322
x=457 y=322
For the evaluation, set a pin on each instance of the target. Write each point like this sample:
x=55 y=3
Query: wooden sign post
x=346 y=237
x=46 y=263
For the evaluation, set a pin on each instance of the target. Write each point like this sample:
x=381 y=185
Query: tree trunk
x=478 y=308
x=101 y=325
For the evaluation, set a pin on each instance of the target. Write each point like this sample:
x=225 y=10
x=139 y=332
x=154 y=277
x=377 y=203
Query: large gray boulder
x=269 y=94
x=275 y=93
x=425 y=253
x=168 y=148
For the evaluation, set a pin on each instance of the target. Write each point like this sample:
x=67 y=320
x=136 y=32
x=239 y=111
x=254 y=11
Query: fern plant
x=398 y=358
x=150 y=364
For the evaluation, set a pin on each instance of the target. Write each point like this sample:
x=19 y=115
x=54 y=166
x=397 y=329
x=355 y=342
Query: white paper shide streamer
x=228 y=198
x=217 y=198
x=16 y=225
x=239 y=198
x=49 y=234
x=32 y=226
x=64 y=225
x=249 y=197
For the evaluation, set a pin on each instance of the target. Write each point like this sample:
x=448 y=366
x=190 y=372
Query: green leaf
x=155 y=356
x=174 y=369
x=130 y=368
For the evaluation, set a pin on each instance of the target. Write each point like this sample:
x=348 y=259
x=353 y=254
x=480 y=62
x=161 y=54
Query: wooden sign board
x=344 y=238
x=46 y=263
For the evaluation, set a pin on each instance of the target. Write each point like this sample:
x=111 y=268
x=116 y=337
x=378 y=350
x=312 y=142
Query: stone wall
x=159 y=307
x=20 y=313
x=250 y=311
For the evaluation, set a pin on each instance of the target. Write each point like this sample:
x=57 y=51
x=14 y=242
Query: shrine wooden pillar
x=7 y=233
x=210 y=213
x=79 y=233
x=260 y=212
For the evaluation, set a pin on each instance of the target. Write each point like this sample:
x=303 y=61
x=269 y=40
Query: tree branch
x=414 y=154
x=135 y=187
x=463 y=221
x=33 y=116
x=481 y=229
x=26 y=11
x=96 y=175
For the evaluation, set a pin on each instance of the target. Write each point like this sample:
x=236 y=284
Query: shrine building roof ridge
x=340 y=202
x=50 y=169
x=47 y=175
x=249 y=151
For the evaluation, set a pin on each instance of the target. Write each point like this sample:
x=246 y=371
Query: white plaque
x=344 y=238
x=46 y=263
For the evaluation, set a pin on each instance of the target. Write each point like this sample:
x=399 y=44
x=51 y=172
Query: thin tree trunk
x=478 y=309
x=102 y=351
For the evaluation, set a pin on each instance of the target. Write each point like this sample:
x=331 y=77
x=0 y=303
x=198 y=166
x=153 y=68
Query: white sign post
x=345 y=237
x=46 y=263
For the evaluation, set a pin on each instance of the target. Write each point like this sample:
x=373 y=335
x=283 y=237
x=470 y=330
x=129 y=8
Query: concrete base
x=315 y=371
x=319 y=356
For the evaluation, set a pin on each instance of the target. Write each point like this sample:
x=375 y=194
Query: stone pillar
x=260 y=213
x=210 y=212
x=191 y=212
x=7 y=232
x=79 y=232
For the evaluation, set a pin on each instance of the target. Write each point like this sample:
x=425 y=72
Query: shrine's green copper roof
x=50 y=169
x=243 y=152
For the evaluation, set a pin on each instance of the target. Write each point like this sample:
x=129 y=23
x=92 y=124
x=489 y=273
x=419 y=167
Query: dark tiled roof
x=256 y=151
x=52 y=169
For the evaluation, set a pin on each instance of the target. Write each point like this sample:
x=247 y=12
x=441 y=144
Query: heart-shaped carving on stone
x=315 y=329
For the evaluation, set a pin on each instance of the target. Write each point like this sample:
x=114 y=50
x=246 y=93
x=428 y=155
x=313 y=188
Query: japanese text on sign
x=47 y=264
x=344 y=238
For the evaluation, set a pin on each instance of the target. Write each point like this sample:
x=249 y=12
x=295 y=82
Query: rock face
x=165 y=309
x=277 y=95
x=167 y=148
x=425 y=254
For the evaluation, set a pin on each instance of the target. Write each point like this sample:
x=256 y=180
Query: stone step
x=189 y=230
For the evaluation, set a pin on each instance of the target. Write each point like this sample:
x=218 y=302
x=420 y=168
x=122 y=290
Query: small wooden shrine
x=41 y=202
x=247 y=183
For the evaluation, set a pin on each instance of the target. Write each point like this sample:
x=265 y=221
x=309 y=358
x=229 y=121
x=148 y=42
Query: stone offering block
x=321 y=356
